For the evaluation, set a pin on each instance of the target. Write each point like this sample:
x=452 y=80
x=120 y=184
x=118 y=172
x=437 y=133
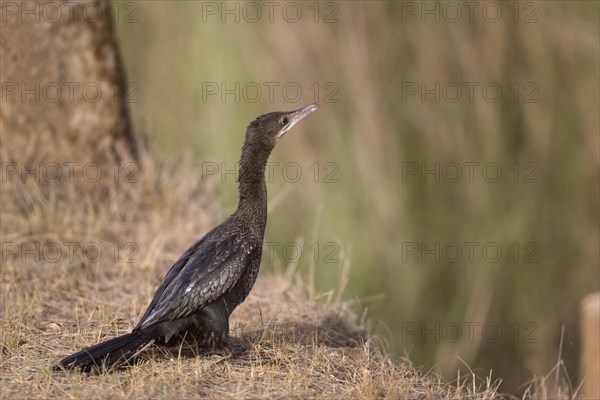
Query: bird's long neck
x=252 y=184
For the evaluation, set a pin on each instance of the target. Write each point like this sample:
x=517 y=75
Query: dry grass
x=283 y=346
x=285 y=343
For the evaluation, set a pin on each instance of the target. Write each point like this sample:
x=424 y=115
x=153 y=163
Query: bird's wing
x=206 y=270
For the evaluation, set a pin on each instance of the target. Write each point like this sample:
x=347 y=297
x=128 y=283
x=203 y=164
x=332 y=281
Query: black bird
x=215 y=274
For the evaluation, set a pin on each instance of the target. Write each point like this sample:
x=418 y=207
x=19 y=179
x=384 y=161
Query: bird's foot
x=220 y=350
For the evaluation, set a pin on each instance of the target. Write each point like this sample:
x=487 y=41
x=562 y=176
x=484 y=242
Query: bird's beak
x=295 y=116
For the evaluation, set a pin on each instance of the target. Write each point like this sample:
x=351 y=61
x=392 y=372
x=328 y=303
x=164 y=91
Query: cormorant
x=215 y=274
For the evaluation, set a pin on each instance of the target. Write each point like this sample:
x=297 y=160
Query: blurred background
x=454 y=162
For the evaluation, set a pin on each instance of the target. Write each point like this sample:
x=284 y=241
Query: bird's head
x=267 y=129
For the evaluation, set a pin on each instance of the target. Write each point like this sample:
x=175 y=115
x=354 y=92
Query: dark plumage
x=215 y=274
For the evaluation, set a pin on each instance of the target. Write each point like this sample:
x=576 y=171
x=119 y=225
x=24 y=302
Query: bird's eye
x=284 y=120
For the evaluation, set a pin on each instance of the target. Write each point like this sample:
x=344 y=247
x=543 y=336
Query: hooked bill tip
x=296 y=116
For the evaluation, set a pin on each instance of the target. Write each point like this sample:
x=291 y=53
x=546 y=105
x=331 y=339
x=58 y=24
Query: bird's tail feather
x=106 y=355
